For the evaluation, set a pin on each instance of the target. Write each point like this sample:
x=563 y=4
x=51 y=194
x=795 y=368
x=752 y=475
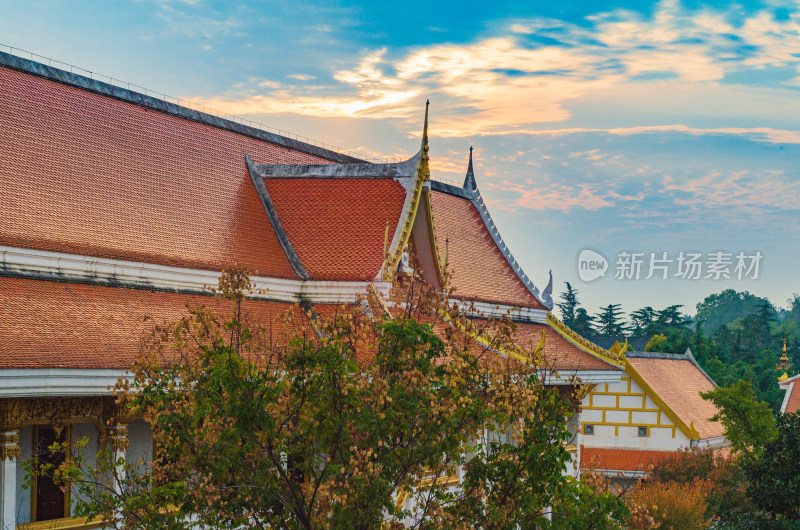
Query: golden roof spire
x=783 y=363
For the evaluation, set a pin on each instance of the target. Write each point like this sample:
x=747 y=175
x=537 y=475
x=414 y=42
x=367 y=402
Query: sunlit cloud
x=509 y=84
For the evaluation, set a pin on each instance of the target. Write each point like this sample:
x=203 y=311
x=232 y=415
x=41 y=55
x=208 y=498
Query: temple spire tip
x=469 y=180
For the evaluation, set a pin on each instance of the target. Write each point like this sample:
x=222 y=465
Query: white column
x=9 y=455
x=118 y=437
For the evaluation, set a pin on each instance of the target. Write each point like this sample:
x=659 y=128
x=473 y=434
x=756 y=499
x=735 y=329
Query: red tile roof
x=87 y=174
x=559 y=352
x=478 y=269
x=621 y=459
x=793 y=403
x=62 y=325
x=679 y=383
x=337 y=226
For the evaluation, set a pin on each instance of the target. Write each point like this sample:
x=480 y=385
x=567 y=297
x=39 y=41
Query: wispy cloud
x=512 y=83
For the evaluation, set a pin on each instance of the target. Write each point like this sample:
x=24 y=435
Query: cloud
x=743 y=191
x=511 y=83
x=302 y=77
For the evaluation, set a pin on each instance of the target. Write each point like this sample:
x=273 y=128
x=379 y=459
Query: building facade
x=118 y=205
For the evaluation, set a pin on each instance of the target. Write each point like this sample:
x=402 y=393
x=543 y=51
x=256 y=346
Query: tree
x=717 y=310
x=749 y=423
x=336 y=421
x=775 y=475
x=583 y=324
x=608 y=321
x=641 y=319
x=568 y=305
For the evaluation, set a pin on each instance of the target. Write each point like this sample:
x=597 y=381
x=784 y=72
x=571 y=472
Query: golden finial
x=783 y=363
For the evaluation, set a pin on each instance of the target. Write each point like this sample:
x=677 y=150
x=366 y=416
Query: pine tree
x=608 y=321
x=568 y=305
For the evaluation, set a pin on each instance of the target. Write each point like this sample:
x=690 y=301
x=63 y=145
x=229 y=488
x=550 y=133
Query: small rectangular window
x=643 y=432
x=588 y=429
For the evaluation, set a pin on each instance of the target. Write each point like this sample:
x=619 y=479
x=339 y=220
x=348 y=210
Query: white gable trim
x=787 y=396
x=57 y=265
x=57 y=382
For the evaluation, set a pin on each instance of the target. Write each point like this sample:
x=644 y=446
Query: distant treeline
x=733 y=335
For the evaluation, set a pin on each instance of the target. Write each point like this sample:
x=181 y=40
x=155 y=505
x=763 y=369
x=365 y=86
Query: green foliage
x=568 y=305
x=775 y=475
x=327 y=424
x=609 y=322
x=749 y=423
x=720 y=309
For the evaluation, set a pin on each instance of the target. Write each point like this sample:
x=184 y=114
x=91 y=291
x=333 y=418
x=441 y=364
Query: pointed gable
x=335 y=222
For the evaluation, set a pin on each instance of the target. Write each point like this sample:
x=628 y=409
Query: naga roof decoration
x=471 y=192
x=583 y=344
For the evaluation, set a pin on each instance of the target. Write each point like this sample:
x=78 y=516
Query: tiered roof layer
x=65 y=325
x=678 y=380
x=88 y=174
x=478 y=269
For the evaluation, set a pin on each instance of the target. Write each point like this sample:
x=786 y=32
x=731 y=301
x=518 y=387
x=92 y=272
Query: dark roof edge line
x=456 y=191
x=477 y=200
x=266 y=201
x=27 y=66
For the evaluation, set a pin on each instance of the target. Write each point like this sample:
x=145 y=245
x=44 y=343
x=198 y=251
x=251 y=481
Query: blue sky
x=619 y=126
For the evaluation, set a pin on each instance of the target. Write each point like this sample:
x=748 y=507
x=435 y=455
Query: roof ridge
x=280 y=233
x=347 y=170
x=584 y=344
x=483 y=210
x=102 y=88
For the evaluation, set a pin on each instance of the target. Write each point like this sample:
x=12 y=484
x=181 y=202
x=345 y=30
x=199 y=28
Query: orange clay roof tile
x=679 y=383
x=621 y=459
x=87 y=174
x=478 y=269
x=559 y=352
x=337 y=226
x=794 y=398
x=48 y=324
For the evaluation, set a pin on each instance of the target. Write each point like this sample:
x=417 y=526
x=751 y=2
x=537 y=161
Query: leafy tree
x=608 y=321
x=749 y=423
x=775 y=475
x=568 y=305
x=333 y=421
x=717 y=310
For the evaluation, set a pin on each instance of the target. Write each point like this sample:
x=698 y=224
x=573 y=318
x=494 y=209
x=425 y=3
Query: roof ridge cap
x=483 y=211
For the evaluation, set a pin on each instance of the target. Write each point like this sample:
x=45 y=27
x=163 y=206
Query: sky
x=628 y=129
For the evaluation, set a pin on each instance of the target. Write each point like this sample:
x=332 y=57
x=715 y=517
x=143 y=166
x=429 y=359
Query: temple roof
x=560 y=353
x=607 y=459
x=48 y=324
x=480 y=265
x=791 y=400
x=89 y=174
x=677 y=379
x=334 y=225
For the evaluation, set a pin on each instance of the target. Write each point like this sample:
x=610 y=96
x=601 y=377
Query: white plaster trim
x=787 y=396
x=712 y=443
x=77 y=267
x=487 y=310
x=582 y=376
x=57 y=382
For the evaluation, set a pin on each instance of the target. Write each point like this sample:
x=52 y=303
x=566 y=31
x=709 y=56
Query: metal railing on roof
x=13 y=50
